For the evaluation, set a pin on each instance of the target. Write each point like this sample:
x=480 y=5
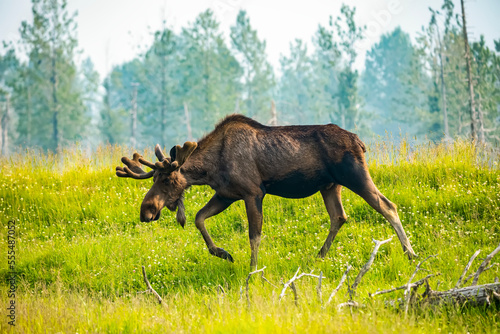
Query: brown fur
x=244 y=160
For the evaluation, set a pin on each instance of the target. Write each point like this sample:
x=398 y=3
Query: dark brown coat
x=245 y=160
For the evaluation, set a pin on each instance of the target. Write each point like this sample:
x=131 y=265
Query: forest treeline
x=180 y=86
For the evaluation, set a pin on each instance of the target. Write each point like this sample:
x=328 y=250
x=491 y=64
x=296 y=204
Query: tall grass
x=80 y=247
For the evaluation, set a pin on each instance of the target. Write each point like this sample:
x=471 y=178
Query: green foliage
x=296 y=97
x=389 y=84
x=211 y=73
x=487 y=89
x=337 y=46
x=446 y=40
x=194 y=71
x=48 y=98
x=80 y=247
x=185 y=82
x=258 y=74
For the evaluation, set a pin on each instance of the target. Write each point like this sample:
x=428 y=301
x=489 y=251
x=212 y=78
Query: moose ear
x=181 y=154
x=181 y=216
x=173 y=152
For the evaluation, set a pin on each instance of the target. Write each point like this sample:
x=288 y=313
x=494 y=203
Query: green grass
x=80 y=247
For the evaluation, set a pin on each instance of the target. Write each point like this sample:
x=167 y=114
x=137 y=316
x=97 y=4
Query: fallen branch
x=485 y=269
x=295 y=296
x=484 y=264
x=318 y=288
x=220 y=293
x=292 y=280
x=150 y=288
x=368 y=264
x=496 y=295
x=248 y=279
x=407 y=291
x=344 y=276
x=265 y=279
x=467 y=268
x=350 y=303
x=413 y=285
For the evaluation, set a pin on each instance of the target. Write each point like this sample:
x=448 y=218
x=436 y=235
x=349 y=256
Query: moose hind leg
x=380 y=203
x=333 y=203
x=215 y=206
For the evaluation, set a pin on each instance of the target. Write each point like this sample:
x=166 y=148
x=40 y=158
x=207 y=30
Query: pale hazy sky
x=122 y=25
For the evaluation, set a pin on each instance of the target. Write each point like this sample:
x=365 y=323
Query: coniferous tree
x=9 y=68
x=210 y=73
x=448 y=47
x=340 y=42
x=386 y=86
x=51 y=77
x=295 y=89
x=258 y=77
x=325 y=64
x=487 y=88
x=159 y=66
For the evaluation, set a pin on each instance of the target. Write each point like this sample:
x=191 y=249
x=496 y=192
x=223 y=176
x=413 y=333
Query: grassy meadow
x=80 y=247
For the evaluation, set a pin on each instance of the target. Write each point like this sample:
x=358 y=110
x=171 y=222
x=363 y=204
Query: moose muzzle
x=149 y=212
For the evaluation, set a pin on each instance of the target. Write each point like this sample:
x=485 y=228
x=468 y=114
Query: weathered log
x=474 y=295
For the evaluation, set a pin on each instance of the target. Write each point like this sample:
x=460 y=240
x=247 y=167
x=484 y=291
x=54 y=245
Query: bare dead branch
x=409 y=287
x=295 y=296
x=413 y=285
x=220 y=293
x=344 y=276
x=350 y=303
x=265 y=279
x=467 y=268
x=318 y=288
x=150 y=288
x=294 y=278
x=418 y=267
x=368 y=264
x=497 y=295
x=248 y=279
x=484 y=264
x=485 y=269
x=287 y=284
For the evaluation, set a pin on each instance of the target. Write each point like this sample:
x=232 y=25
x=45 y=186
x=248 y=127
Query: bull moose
x=244 y=160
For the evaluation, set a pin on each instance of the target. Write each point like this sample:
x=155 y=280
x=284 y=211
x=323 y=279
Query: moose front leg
x=216 y=205
x=253 y=205
x=333 y=203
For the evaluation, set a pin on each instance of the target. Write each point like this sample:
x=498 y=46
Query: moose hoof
x=322 y=253
x=411 y=256
x=220 y=252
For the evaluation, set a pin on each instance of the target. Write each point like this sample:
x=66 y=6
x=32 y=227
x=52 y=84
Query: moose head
x=169 y=184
